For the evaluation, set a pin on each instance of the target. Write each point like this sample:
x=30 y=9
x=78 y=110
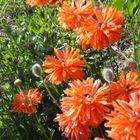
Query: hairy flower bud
x=36 y=70
x=107 y=74
x=18 y=82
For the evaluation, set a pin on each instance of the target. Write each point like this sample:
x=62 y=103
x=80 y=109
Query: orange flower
x=68 y=64
x=72 y=16
x=41 y=2
x=104 y=29
x=126 y=84
x=26 y=101
x=124 y=120
x=84 y=105
x=75 y=130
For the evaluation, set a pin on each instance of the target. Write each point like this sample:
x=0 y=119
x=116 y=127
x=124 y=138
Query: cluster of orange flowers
x=88 y=102
x=86 y=106
x=94 y=27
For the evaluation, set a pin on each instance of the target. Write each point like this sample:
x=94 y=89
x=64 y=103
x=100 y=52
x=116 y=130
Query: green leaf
x=118 y=4
x=137 y=54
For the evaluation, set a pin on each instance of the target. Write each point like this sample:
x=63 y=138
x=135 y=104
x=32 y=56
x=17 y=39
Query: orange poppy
x=68 y=64
x=41 y=2
x=72 y=16
x=26 y=101
x=125 y=85
x=75 y=130
x=124 y=120
x=85 y=103
x=104 y=29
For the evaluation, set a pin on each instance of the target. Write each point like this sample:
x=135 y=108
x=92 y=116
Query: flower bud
x=107 y=74
x=18 y=82
x=36 y=70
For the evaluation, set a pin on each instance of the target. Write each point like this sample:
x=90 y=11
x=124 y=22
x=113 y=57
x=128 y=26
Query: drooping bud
x=132 y=65
x=18 y=82
x=36 y=70
x=107 y=74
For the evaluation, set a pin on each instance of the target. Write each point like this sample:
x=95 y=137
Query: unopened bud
x=107 y=74
x=18 y=82
x=132 y=65
x=36 y=70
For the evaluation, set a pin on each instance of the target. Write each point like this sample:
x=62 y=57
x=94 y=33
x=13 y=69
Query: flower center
x=99 y=24
x=126 y=87
x=94 y=17
x=87 y=95
x=63 y=63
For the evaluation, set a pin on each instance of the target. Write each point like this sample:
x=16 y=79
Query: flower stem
x=111 y=55
x=50 y=94
x=110 y=94
x=41 y=127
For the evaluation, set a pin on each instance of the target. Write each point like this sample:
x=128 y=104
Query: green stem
x=117 y=70
x=133 y=33
x=102 y=133
x=110 y=94
x=112 y=56
x=50 y=94
x=41 y=127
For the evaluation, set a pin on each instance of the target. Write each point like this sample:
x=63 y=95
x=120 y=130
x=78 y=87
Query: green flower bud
x=36 y=70
x=107 y=74
x=18 y=82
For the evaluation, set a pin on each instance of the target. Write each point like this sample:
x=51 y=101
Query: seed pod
x=18 y=82
x=36 y=70
x=107 y=74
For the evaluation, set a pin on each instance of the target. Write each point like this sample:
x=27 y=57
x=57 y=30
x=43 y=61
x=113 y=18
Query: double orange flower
x=84 y=107
x=95 y=28
x=68 y=63
x=26 y=101
x=76 y=14
x=125 y=85
x=124 y=120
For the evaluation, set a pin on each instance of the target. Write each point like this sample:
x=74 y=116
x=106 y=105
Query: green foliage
x=137 y=54
x=26 y=39
x=130 y=7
